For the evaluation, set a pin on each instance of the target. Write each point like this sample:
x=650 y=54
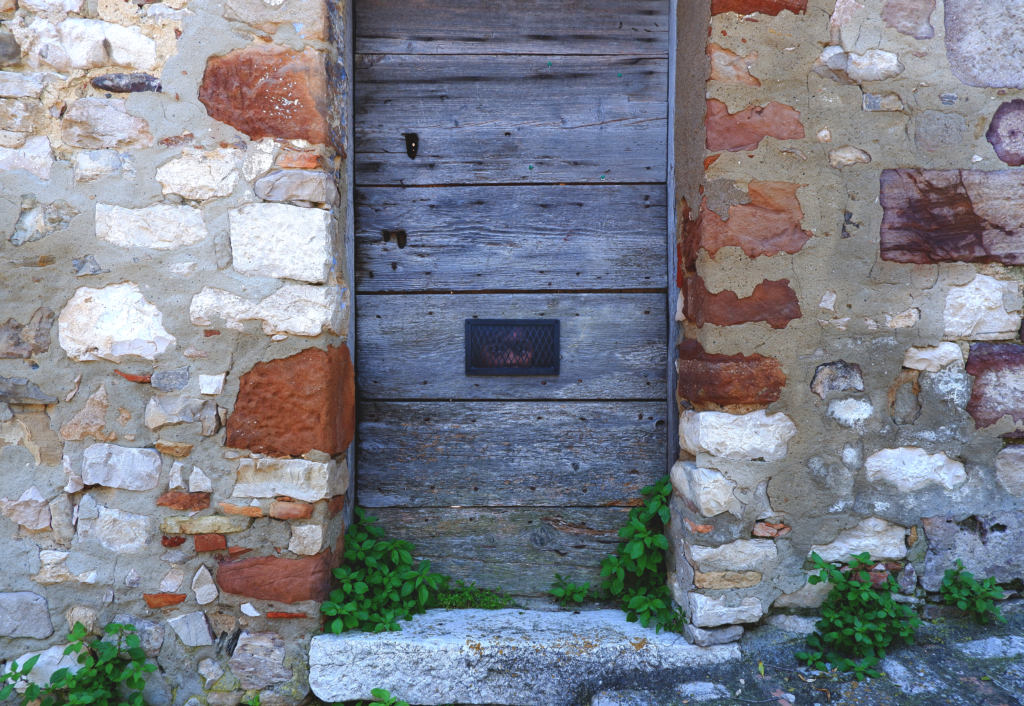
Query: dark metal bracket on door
x=512 y=347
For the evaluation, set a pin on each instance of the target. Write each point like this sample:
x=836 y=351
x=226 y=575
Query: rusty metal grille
x=512 y=347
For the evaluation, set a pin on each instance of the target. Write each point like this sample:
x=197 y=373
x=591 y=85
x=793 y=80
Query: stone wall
x=176 y=392
x=851 y=374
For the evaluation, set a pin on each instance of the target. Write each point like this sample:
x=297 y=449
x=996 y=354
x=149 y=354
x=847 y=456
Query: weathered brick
x=743 y=131
x=163 y=600
x=179 y=500
x=210 y=542
x=998 y=370
x=272 y=578
x=727 y=379
x=290 y=406
x=269 y=91
x=291 y=511
x=765 y=7
x=773 y=302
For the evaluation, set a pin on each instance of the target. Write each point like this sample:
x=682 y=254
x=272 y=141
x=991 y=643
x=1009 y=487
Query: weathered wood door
x=537 y=191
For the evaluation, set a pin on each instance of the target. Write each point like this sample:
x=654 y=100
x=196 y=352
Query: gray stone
x=989 y=546
x=702 y=691
x=626 y=697
x=37 y=220
x=170 y=380
x=908 y=580
x=994 y=648
x=96 y=164
x=495 y=657
x=151 y=635
x=707 y=612
x=836 y=376
x=116 y=530
x=98 y=123
x=793 y=623
x=61 y=519
x=888 y=102
x=1010 y=469
x=210 y=671
x=115 y=466
x=21 y=391
x=10 y=52
x=24 y=614
x=297 y=185
x=192 y=628
x=714 y=636
x=908 y=682
x=126 y=83
x=231 y=698
x=258 y=660
x=86 y=266
x=984 y=42
x=937 y=132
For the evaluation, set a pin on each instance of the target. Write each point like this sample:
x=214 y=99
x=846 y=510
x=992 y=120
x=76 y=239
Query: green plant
x=110 y=673
x=463 y=596
x=566 y=593
x=976 y=598
x=383 y=696
x=379 y=584
x=859 y=621
x=254 y=700
x=636 y=575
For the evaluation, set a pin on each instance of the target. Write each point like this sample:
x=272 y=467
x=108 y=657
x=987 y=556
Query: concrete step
x=514 y=657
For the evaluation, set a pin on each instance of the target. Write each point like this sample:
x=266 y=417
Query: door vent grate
x=512 y=347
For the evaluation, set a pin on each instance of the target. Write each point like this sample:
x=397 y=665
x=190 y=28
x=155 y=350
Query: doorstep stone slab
x=514 y=657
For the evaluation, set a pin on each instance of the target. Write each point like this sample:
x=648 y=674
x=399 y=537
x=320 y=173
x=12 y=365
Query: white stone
x=78 y=43
x=514 y=657
x=714 y=636
x=793 y=623
x=905 y=319
x=24 y=614
x=31 y=510
x=277 y=240
x=873 y=65
x=976 y=310
x=101 y=123
x=851 y=412
x=204 y=587
x=881 y=539
x=111 y=323
x=741 y=555
x=120 y=467
x=1010 y=469
x=183 y=269
x=164 y=410
x=116 y=530
x=175 y=481
x=15 y=85
x=35 y=157
x=736 y=436
x=132 y=579
x=706 y=612
x=1007 y=647
x=193 y=629
x=172 y=580
x=160 y=227
x=199 y=482
x=50 y=660
x=295 y=477
x=88 y=617
x=12 y=140
x=309 y=185
x=828 y=301
x=847 y=156
x=250 y=610
x=96 y=164
x=211 y=384
x=709 y=490
x=259 y=159
x=199 y=175
x=258 y=660
x=296 y=309
x=53 y=570
x=932 y=359
x=48 y=6
x=910 y=468
x=306 y=539
x=210 y=671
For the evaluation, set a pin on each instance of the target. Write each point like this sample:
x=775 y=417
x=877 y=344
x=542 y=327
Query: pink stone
x=743 y=131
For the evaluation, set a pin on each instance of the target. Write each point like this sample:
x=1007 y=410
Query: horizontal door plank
x=516 y=549
x=511 y=237
x=512 y=27
x=413 y=346
x=507 y=119
x=563 y=454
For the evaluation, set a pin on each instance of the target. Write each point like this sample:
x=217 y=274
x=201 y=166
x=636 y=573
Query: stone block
x=727 y=379
x=932 y=359
x=730 y=68
x=18 y=341
x=164 y=410
x=203 y=587
x=910 y=17
x=294 y=477
x=793 y=623
x=881 y=539
x=211 y=384
x=210 y=543
x=837 y=376
x=22 y=391
x=272 y=578
x=96 y=164
x=772 y=302
x=741 y=555
x=807 y=596
x=979 y=311
x=35 y=156
x=716 y=636
x=293 y=405
x=21 y=116
x=120 y=467
x=736 y=436
x=983 y=44
x=103 y=123
x=50 y=660
x=1006 y=132
x=159 y=227
x=24 y=614
x=269 y=91
x=126 y=83
x=708 y=612
x=258 y=660
x=882 y=103
x=200 y=175
x=990 y=545
x=210 y=524
x=308 y=16
x=744 y=130
x=38 y=220
x=1010 y=469
x=278 y=240
x=294 y=309
x=151 y=634
x=90 y=420
x=31 y=510
x=53 y=569
x=170 y=380
x=111 y=323
x=851 y=413
x=847 y=156
x=192 y=628
x=706 y=489
x=313 y=186
x=998 y=370
x=210 y=671
x=853 y=68
x=911 y=469
x=290 y=510
x=116 y=530
x=306 y=540
x=726 y=580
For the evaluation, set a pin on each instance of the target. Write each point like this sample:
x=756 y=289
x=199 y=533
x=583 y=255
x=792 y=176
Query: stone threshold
x=509 y=657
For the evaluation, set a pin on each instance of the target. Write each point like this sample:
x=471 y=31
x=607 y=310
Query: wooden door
x=537 y=192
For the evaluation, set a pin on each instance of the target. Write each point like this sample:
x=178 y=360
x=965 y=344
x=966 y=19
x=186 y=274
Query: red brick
x=172 y=541
x=743 y=131
x=245 y=510
x=291 y=511
x=210 y=542
x=286 y=615
x=773 y=302
x=336 y=505
x=272 y=578
x=727 y=379
x=298 y=160
x=765 y=7
x=179 y=500
x=290 y=406
x=997 y=369
x=162 y=600
x=269 y=91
